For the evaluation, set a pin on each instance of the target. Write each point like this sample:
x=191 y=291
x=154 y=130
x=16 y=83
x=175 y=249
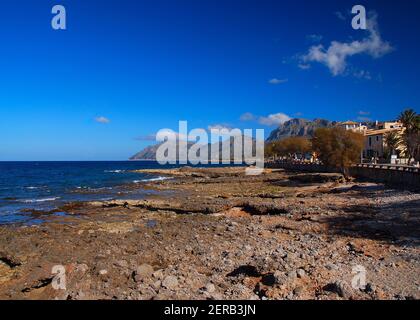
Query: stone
x=331 y=266
x=157 y=284
x=341 y=288
x=103 y=272
x=370 y=288
x=158 y=274
x=121 y=263
x=210 y=288
x=144 y=271
x=300 y=273
x=292 y=275
x=170 y=282
x=279 y=278
x=298 y=290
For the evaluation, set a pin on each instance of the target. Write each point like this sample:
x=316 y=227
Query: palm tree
x=411 y=136
x=394 y=144
x=410 y=119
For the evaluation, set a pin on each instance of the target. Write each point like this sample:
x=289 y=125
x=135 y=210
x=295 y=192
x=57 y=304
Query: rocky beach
x=219 y=234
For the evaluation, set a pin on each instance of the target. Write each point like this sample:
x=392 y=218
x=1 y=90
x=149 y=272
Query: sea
x=26 y=187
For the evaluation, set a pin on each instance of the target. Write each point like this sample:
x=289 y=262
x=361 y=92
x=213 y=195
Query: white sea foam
x=39 y=200
x=114 y=171
x=152 y=179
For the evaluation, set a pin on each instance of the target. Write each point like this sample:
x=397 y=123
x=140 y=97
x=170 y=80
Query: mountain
x=299 y=127
x=149 y=153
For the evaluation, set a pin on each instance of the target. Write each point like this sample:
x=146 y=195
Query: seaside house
x=353 y=126
x=387 y=125
x=375 y=136
x=375 y=141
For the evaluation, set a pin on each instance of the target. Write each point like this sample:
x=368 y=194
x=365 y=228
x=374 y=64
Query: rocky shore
x=219 y=234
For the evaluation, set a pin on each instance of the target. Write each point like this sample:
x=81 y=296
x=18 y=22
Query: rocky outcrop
x=299 y=128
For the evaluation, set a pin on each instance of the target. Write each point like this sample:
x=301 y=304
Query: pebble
x=210 y=288
x=341 y=288
x=170 y=282
x=300 y=273
x=144 y=270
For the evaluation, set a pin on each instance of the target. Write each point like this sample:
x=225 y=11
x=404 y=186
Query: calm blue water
x=47 y=185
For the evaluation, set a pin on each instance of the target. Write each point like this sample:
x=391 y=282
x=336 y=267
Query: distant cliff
x=299 y=127
x=148 y=153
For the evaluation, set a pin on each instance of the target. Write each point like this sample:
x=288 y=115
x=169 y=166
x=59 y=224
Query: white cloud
x=274 y=119
x=336 y=55
x=277 y=81
x=363 y=113
x=247 y=116
x=102 y=120
x=219 y=127
x=170 y=133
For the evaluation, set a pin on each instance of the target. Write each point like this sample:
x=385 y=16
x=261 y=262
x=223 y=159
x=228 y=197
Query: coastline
x=214 y=233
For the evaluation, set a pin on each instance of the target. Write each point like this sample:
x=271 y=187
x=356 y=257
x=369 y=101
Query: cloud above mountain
x=270 y=120
x=274 y=119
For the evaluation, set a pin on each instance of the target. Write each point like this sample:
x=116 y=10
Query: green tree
x=337 y=147
x=394 y=144
x=411 y=136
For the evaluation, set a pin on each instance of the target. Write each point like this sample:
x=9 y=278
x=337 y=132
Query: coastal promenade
x=401 y=176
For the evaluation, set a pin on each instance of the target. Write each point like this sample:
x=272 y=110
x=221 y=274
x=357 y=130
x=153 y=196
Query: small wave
x=114 y=171
x=39 y=200
x=31 y=188
x=152 y=179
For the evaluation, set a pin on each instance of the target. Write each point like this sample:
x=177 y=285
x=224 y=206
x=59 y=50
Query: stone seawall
x=402 y=177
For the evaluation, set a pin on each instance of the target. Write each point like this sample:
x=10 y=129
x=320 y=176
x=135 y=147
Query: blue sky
x=125 y=69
